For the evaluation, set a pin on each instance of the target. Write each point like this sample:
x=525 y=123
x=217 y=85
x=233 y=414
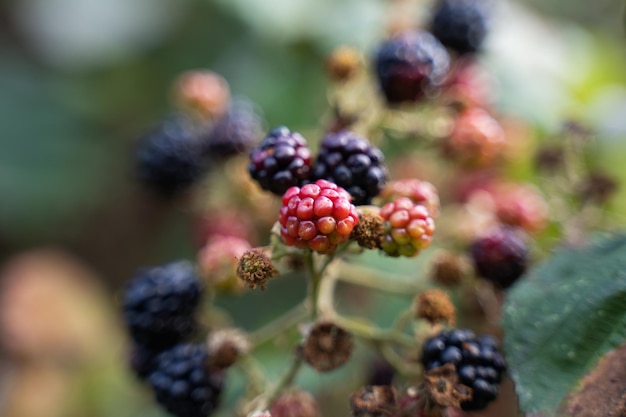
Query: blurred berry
x=159 y=305
x=521 y=205
x=236 y=132
x=351 y=162
x=218 y=260
x=380 y=372
x=410 y=65
x=500 y=256
x=476 y=140
x=201 y=93
x=449 y=268
x=317 y=216
x=374 y=401
x=169 y=158
x=408 y=228
x=223 y=220
x=183 y=384
x=468 y=86
x=281 y=161
x=435 y=306
x=461 y=25
x=226 y=346
x=295 y=403
x=343 y=63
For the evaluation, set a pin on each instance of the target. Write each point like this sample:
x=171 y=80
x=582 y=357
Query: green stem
x=276 y=327
x=403 y=367
x=382 y=281
x=254 y=374
x=285 y=381
x=315 y=278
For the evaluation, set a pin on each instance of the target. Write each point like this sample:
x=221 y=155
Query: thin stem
x=254 y=375
x=285 y=381
x=360 y=275
x=277 y=326
x=403 y=367
x=370 y=332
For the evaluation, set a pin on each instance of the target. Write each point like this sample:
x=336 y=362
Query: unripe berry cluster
x=408 y=227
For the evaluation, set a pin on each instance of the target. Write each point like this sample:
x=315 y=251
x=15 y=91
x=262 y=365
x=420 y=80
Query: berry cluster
x=408 y=227
x=351 y=162
x=282 y=160
x=479 y=365
x=317 y=216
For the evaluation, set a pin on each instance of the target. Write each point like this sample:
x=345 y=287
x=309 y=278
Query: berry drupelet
x=183 y=383
x=479 y=365
x=461 y=25
x=351 y=162
x=236 y=132
x=410 y=65
x=281 y=161
x=317 y=216
x=169 y=158
x=500 y=256
x=159 y=305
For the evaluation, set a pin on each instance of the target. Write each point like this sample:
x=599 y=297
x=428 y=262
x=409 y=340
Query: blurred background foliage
x=80 y=80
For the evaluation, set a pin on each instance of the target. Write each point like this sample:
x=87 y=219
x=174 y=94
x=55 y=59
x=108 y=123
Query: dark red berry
x=500 y=256
x=281 y=161
x=461 y=25
x=183 y=383
x=478 y=363
x=410 y=65
x=351 y=162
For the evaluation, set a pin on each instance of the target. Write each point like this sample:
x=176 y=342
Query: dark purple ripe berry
x=479 y=365
x=501 y=256
x=410 y=65
x=159 y=305
x=236 y=132
x=461 y=25
x=281 y=161
x=352 y=163
x=183 y=384
x=169 y=157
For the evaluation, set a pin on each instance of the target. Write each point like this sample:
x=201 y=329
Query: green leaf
x=562 y=318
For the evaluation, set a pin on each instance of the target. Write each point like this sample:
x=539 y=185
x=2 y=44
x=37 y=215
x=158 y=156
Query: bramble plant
x=322 y=212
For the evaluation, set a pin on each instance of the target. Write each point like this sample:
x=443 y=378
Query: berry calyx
x=317 y=216
x=351 y=162
x=408 y=228
x=282 y=160
x=410 y=65
x=500 y=256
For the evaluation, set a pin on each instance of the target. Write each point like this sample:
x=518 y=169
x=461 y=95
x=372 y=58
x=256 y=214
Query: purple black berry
x=169 y=157
x=236 y=132
x=142 y=360
x=501 y=256
x=183 y=384
x=411 y=65
x=479 y=365
x=352 y=163
x=461 y=25
x=159 y=305
x=281 y=161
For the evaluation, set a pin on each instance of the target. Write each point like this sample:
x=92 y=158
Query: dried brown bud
x=327 y=346
x=374 y=400
x=597 y=188
x=343 y=63
x=369 y=232
x=449 y=269
x=256 y=268
x=549 y=159
x=295 y=403
x=435 y=306
x=202 y=93
x=226 y=346
x=442 y=385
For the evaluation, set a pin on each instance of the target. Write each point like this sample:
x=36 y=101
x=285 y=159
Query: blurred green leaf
x=562 y=318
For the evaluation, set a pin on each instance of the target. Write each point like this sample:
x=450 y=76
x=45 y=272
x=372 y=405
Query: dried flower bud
x=226 y=346
x=444 y=389
x=295 y=403
x=435 y=306
x=369 y=232
x=449 y=269
x=327 y=346
x=256 y=268
x=202 y=93
x=373 y=400
x=343 y=63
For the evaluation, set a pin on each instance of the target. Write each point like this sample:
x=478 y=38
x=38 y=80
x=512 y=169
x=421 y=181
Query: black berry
x=461 y=25
x=479 y=365
x=236 y=132
x=501 y=256
x=281 y=161
x=169 y=157
x=159 y=305
x=352 y=163
x=142 y=360
x=183 y=384
x=410 y=65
